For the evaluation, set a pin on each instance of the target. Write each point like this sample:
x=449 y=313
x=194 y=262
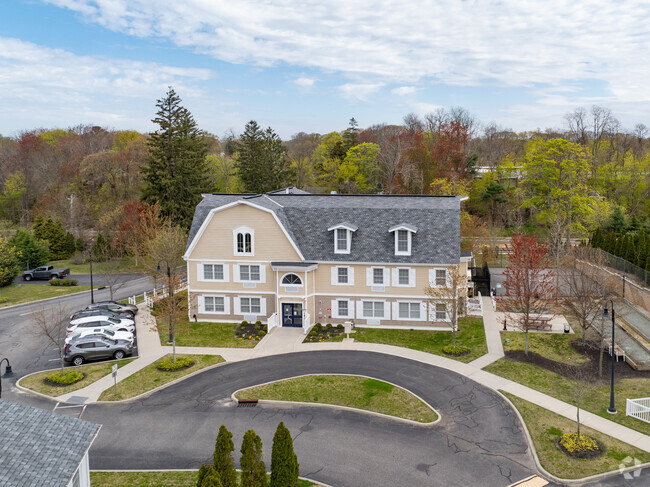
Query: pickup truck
x=46 y=272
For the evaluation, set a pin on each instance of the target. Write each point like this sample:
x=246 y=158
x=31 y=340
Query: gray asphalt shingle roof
x=40 y=448
x=307 y=218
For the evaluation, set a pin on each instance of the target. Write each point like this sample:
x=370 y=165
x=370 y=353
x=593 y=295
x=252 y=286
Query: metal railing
x=624 y=266
x=638 y=408
x=149 y=297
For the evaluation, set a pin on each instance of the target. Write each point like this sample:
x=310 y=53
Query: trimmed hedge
x=70 y=377
x=458 y=350
x=170 y=365
x=63 y=282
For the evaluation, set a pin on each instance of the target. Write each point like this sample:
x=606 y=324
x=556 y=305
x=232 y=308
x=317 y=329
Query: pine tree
x=261 y=159
x=55 y=234
x=69 y=244
x=253 y=470
x=630 y=249
x=284 y=462
x=79 y=245
x=616 y=222
x=176 y=172
x=203 y=472
x=30 y=251
x=38 y=228
x=224 y=463
x=211 y=479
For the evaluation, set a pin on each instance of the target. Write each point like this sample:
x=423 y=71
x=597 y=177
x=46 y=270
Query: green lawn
x=191 y=334
x=150 y=377
x=346 y=390
x=154 y=479
x=123 y=266
x=93 y=372
x=544 y=425
x=470 y=334
x=554 y=346
x=595 y=398
x=25 y=293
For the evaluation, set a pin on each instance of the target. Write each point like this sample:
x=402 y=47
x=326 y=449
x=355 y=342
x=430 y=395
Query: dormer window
x=343 y=237
x=243 y=241
x=403 y=238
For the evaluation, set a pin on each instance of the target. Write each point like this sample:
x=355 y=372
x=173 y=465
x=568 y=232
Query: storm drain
x=246 y=403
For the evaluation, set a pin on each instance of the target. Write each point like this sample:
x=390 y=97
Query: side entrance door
x=292 y=314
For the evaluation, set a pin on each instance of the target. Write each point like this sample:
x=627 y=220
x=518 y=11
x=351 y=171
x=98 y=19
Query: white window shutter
x=237 y=306
x=387 y=314
x=359 y=309
x=263 y=306
x=432 y=277
x=262 y=273
x=369 y=276
x=335 y=308
x=201 y=304
x=199 y=272
x=351 y=276
x=395 y=307
x=235 y=273
x=423 y=312
x=226 y=277
x=395 y=273
x=449 y=277
x=226 y=305
x=351 y=310
x=386 y=276
x=411 y=277
x=335 y=276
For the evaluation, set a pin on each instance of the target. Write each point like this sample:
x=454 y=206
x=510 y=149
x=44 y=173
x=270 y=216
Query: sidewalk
x=289 y=340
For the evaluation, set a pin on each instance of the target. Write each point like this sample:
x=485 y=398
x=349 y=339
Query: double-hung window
x=213 y=272
x=441 y=277
x=404 y=277
x=441 y=311
x=378 y=276
x=403 y=241
x=250 y=305
x=342 y=239
x=373 y=309
x=249 y=272
x=343 y=308
x=214 y=304
x=342 y=274
x=409 y=311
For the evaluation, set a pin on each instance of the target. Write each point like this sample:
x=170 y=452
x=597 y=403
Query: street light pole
x=612 y=408
x=8 y=372
x=92 y=295
x=171 y=295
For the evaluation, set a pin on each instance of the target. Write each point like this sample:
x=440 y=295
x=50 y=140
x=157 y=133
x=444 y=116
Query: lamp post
x=171 y=295
x=90 y=260
x=8 y=372
x=612 y=408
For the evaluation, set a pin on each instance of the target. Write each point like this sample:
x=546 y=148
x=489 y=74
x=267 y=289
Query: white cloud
x=404 y=90
x=425 y=108
x=511 y=43
x=359 y=91
x=304 y=82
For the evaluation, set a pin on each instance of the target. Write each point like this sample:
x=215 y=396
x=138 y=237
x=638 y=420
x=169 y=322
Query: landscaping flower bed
x=250 y=331
x=584 y=447
x=58 y=380
x=320 y=333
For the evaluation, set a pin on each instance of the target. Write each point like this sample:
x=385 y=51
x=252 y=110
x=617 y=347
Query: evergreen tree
x=253 y=470
x=8 y=262
x=619 y=247
x=596 y=239
x=261 y=159
x=208 y=477
x=203 y=471
x=630 y=249
x=616 y=222
x=350 y=135
x=55 y=234
x=284 y=462
x=30 y=251
x=101 y=249
x=633 y=225
x=175 y=174
x=224 y=463
x=69 y=244
x=38 y=228
x=79 y=245
x=610 y=245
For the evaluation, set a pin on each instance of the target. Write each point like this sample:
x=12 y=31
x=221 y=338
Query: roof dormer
x=343 y=237
x=403 y=238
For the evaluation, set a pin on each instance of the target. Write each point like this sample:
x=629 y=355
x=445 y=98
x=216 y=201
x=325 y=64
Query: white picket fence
x=638 y=408
x=149 y=297
x=475 y=306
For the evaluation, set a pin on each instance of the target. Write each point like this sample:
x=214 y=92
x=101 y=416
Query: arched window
x=291 y=280
x=243 y=241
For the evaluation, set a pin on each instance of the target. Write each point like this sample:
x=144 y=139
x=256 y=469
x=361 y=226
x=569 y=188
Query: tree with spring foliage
x=224 y=463
x=528 y=282
x=175 y=174
x=253 y=470
x=261 y=158
x=284 y=462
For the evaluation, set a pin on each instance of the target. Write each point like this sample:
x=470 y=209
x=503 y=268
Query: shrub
x=318 y=326
x=451 y=350
x=284 y=463
x=63 y=282
x=70 y=377
x=258 y=323
x=312 y=333
x=244 y=323
x=262 y=333
x=253 y=470
x=224 y=463
x=328 y=326
x=170 y=365
x=339 y=326
x=584 y=444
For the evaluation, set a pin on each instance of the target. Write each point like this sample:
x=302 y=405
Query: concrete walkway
x=289 y=340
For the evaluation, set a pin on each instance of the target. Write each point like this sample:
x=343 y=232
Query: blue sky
x=311 y=65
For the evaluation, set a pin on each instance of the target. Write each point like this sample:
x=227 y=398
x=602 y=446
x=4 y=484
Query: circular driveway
x=478 y=441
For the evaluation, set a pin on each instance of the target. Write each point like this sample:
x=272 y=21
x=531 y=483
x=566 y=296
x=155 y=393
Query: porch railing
x=272 y=322
x=638 y=408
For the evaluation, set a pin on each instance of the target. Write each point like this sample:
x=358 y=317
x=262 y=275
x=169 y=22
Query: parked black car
x=101 y=312
x=116 y=307
x=95 y=348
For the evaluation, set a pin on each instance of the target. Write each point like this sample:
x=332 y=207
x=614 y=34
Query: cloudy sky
x=311 y=65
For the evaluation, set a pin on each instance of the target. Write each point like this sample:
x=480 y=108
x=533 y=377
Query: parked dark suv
x=116 y=307
x=87 y=348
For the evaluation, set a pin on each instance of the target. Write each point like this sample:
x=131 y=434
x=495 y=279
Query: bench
x=618 y=351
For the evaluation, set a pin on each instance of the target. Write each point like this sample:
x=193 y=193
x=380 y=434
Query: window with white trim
x=243 y=241
x=342 y=240
x=403 y=241
x=291 y=280
x=378 y=276
x=409 y=311
x=214 y=304
x=250 y=305
x=342 y=275
x=213 y=272
x=441 y=311
x=441 y=277
x=343 y=308
x=404 y=277
x=249 y=272
x=373 y=309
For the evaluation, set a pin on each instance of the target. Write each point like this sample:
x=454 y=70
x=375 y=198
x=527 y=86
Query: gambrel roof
x=308 y=219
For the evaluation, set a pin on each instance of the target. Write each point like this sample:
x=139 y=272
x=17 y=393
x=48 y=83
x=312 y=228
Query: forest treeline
x=562 y=184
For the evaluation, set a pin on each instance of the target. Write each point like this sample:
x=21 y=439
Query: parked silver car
x=96 y=348
x=92 y=321
x=102 y=331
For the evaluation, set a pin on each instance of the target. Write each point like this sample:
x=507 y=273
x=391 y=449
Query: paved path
x=289 y=340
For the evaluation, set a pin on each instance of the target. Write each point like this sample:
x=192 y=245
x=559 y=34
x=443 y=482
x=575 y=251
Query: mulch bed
x=319 y=334
x=250 y=330
x=589 y=370
x=583 y=455
x=458 y=354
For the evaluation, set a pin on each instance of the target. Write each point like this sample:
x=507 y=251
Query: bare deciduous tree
x=52 y=323
x=450 y=291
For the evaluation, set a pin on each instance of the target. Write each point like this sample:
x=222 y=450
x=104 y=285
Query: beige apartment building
x=291 y=258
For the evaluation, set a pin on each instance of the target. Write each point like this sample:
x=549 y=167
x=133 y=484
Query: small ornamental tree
x=450 y=293
x=204 y=472
x=528 y=281
x=253 y=469
x=224 y=463
x=284 y=462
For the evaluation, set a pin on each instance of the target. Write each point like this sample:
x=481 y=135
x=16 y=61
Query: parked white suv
x=97 y=321
x=106 y=331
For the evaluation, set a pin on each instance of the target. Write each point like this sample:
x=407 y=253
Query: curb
x=550 y=476
x=2 y=308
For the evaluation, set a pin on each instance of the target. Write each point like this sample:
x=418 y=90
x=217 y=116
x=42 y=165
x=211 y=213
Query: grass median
x=595 y=397
x=26 y=293
x=553 y=346
x=155 y=479
x=470 y=334
x=150 y=377
x=346 y=390
x=543 y=426
x=92 y=373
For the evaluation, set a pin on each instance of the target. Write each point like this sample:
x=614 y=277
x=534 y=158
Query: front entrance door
x=292 y=314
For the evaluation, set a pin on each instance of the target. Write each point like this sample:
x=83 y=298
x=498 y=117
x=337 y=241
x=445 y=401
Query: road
x=82 y=279
x=29 y=353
